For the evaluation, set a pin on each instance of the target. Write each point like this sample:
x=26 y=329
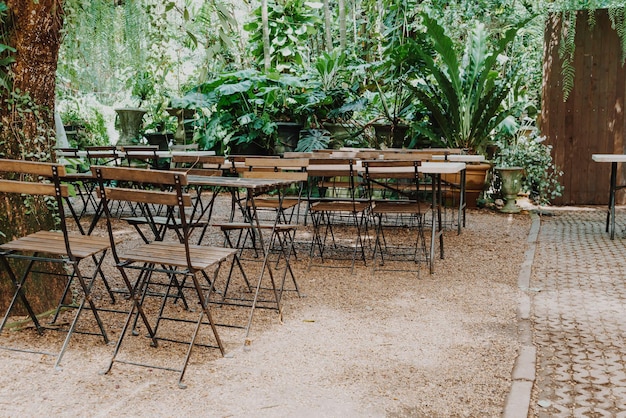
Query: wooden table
x=614 y=159
x=435 y=170
x=253 y=187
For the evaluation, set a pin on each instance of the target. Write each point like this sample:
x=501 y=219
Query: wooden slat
x=246 y=225
x=25 y=187
x=52 y=242
x=30 y=167
x=173 y=254
x=140 y=175
x=156 y=197
x=199 y=159
x=277 y=163
x=284 y=175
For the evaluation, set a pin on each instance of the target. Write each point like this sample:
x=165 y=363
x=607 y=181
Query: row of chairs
x=304 y=173
x=176 y=261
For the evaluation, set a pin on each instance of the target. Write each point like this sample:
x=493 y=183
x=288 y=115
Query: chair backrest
x=142 y=153
x=66 y=153
x=277 y=168
x=148 y=188
x=238 y=162
x=335 y=173
x=37 y=179
x=388 y=176
x=103 y=155
x=196 y=164
x=297 y=154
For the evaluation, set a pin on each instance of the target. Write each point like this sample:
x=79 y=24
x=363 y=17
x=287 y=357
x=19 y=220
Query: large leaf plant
x=464 y=97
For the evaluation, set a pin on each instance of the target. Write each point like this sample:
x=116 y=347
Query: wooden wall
x=591 y=121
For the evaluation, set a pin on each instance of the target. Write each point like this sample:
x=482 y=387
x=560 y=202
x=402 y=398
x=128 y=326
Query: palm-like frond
x=463 y=98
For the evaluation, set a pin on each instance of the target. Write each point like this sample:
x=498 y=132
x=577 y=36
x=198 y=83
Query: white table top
x=609 y=158
x=428 y=167
x=463 y=158
x=441 y=168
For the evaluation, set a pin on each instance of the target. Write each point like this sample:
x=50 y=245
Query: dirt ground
x=379 y=344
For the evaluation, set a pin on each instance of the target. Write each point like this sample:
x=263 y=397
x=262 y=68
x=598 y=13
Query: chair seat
x=161 y=220
x=397 y=207
x=274 y=203
x=246 y=225
x=339 y=206
x=173 y=254
x=52 y=242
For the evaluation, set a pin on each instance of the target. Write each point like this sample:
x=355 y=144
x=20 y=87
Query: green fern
x=618 y=22
x=567 y=49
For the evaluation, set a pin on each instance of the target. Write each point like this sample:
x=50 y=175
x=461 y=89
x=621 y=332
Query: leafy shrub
x=528 y=150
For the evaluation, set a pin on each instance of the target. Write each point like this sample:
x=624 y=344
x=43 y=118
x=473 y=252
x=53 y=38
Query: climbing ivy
x=6 y=51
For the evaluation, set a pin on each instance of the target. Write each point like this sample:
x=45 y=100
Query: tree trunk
x=27 y=128
x=343 y=37
x=328 y=37
x=267 y=60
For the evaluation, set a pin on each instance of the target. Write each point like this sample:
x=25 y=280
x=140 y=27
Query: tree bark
x=27 y=128
x=343 y=38
x=328 y=38
x=267 y=60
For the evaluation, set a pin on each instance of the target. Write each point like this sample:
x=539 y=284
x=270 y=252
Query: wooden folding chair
x=394 y=192
x=283 y=230
x=78 y=175
x=172 y=261
x=280 y=168
x=21 y=256
x=103 y=155
x=197 y=164
x=341 y=200
x=141 y=155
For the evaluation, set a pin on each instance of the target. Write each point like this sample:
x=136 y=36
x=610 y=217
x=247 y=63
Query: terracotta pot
x=475 y=181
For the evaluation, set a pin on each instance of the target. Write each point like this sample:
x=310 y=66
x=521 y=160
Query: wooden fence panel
x=591 y=121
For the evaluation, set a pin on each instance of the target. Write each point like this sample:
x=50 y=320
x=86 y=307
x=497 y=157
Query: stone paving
x=578 y=315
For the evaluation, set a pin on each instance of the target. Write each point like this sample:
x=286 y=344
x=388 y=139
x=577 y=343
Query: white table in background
x=614 y=159
x=435 y=170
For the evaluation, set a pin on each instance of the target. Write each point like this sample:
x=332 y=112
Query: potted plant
x=464 y=97
x=283 y=98
x=525 y=152
x=331 y=98
x=84 y=126
x=390 y=101
x=129 y=120
x=160 y=128
x=237 y=112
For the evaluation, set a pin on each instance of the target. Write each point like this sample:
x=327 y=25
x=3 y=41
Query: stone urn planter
x=130 y=122
x=511 y=182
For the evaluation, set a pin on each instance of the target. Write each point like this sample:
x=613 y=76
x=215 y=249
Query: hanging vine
x=568 y=12
x=618 y=22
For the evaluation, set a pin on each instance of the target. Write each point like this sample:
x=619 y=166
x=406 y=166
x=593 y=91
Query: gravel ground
x=387 y=343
